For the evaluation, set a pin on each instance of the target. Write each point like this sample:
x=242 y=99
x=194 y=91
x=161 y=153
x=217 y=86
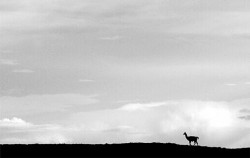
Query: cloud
x=5 y=51
x=159 y=15
x=245 y=111
x=246 y=114
x=14 y=122
x=78 y=14
x=231 y=84
x=8 y=62
x=86 y=80
x=34 y=104
x=139 y=106
x=235 y=84
x=111 y=20
x=23 y=71
x=247 y=117
x=111 y=38
x=164 y=122
x=140 y=122
x=16 y=130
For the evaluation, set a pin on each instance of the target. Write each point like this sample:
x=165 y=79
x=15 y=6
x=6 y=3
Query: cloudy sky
x=108 y=71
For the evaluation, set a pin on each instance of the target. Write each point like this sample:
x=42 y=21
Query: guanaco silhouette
x=191 y=139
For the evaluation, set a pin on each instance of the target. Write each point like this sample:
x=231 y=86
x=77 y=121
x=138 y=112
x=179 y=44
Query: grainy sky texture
x=109 y=71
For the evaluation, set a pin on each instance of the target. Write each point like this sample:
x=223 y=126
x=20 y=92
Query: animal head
x=184 y=133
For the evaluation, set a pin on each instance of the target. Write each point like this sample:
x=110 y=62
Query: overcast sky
x=108 y=71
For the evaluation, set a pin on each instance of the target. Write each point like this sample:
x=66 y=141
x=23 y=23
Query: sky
x=108 y=71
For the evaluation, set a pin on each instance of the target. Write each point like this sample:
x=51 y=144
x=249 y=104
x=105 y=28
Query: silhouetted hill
x=119 y=150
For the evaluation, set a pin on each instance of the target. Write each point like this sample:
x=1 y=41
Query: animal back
x=193 y=137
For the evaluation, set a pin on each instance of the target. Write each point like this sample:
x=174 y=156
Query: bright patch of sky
x=94 y=65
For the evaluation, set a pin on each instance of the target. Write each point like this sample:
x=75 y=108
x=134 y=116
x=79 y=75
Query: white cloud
x=161 y=122
x=245 y=111
x=23 y=71
x=86 y=80
x=16 y=130
x=8 y=62
x=33 y=104
x=243 y=140
x=139 y=106
x=5 y=51
x=236 y=84
x=231 y=84
x=14 y=122
x=111 y=38
x=158 y=15
x=118 y=18
x=164 y=122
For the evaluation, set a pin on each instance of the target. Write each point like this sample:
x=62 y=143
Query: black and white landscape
x=125 y=71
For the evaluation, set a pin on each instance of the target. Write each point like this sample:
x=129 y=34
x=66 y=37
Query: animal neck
x=186 y=136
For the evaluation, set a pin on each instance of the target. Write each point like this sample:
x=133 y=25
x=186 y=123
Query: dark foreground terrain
x=119 y=150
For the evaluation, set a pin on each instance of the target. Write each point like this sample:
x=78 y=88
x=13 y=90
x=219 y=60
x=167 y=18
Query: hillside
x=119 y=150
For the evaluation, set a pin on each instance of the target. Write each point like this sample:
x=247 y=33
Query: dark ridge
x=119 y=150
